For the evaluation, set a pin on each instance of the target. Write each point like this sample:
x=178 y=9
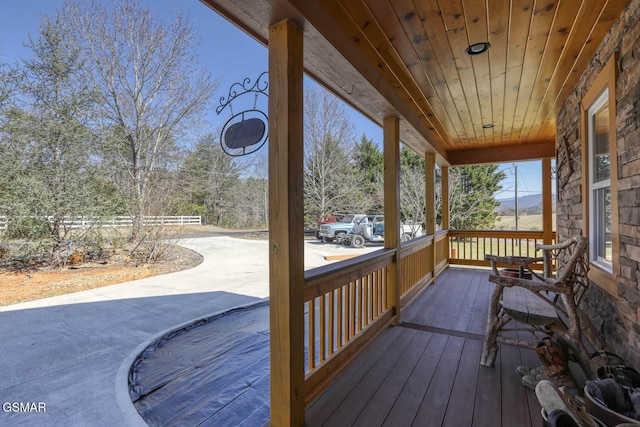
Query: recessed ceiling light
x=478 y=48
x=488 y=126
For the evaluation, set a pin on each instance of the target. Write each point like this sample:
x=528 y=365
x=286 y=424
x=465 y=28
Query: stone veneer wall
x=611 y=323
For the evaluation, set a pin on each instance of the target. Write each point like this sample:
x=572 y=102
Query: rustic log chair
x=538 y=304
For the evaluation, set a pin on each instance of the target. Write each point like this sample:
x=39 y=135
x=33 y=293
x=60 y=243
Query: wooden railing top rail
x=496 y=234
x=318 y=281
x=441 y=235
x=415 y=245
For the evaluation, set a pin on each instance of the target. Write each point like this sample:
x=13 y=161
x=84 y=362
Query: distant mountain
x=531 y=203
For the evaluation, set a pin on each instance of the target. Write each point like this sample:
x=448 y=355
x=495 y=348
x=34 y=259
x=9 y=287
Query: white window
x=600 y=183
x=600 y=178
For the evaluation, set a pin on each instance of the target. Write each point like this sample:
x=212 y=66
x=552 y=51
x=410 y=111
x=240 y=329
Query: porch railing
x=468 y=247
x=346 y=306
x=415 y=270
x=347 y=303
x=442 y=250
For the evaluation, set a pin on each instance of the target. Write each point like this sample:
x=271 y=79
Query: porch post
x=430 y=205
x=430 y=193
x=286 y=244
x=391 y=130
x=547 y=211
x=444 y=171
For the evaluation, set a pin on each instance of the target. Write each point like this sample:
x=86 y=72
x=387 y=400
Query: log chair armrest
x=525 y=262
x=531 y=285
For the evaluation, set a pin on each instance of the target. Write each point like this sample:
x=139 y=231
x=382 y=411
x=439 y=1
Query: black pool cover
x=214 y=372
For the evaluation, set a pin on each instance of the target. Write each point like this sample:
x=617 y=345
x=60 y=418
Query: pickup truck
x=371 y=229
x=338 y=230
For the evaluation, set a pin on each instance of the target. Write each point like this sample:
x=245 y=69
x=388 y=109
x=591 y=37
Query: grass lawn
x=525 y=222
x=473 y=250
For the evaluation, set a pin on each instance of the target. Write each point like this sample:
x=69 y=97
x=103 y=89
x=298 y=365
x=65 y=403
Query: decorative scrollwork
x=244 y=132
x=259 y=86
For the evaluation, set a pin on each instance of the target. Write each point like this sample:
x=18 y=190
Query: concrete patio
x=73 y=352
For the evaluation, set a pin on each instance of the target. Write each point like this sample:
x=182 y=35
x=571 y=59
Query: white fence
x=118 y=221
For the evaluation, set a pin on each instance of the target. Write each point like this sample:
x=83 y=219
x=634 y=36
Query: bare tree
x=153 y=90
x=261 y=188
x=412 y=197
x=331 y=182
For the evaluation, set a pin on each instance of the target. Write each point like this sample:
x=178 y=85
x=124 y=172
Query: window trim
x=599 y=102
x=605 y=82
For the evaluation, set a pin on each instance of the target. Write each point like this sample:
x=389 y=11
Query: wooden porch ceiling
x=407 y=58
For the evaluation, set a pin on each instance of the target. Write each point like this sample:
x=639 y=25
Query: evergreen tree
x=47 y=141
x=472 y=201
x=210 y=179
x=369 y=162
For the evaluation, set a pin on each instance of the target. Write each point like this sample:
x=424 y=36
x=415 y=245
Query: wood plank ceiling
x=502 y=101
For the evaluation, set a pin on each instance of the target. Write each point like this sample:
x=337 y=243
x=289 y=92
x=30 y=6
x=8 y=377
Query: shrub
x=29 y=228
x=4 y=252
x=157 y=243
x=75 y=258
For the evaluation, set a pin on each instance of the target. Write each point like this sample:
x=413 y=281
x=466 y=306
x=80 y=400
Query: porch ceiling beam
x=508 y=153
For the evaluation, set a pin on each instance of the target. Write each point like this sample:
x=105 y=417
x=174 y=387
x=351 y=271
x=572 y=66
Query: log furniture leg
x=490 y=347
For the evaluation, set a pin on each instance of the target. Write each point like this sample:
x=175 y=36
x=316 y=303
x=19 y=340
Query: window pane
x=601 y=143
x=602 y=223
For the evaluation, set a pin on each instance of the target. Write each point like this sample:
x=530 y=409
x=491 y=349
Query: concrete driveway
x=65 y=359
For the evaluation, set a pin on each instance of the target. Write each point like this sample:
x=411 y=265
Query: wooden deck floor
x=427 y=371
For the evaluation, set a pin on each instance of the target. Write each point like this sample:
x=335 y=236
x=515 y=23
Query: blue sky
x=529 y=179
x=230 y=55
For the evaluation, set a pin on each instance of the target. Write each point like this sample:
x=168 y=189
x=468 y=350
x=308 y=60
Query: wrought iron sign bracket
x=245 y=132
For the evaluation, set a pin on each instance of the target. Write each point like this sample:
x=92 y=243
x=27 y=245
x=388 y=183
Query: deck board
x=434 y=404
x=464 y=314
x=366 y=387
x=515 y=405
x=343 y=386
x=478 y=323
x=460 y=409
x=410 y=398
x=380 y=404
x=488 y=401
x=458 y=301
x=429 y=374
